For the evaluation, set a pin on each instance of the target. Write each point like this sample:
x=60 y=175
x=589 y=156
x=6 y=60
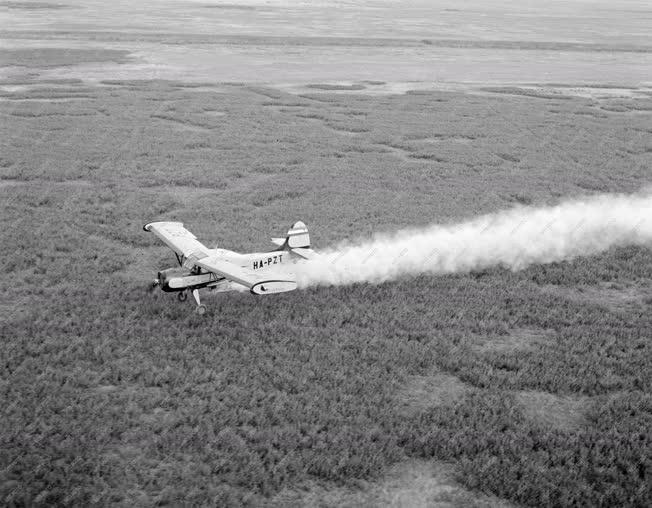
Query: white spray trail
x=514 y=238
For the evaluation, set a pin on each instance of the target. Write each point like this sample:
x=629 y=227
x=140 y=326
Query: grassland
x=485 y=389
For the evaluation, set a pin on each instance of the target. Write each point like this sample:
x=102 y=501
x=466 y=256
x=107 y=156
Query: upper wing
x=258 y=284
x=178 y=238
x=304 y=253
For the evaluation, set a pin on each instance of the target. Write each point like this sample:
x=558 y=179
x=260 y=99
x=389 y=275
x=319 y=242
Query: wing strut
x=201 y=309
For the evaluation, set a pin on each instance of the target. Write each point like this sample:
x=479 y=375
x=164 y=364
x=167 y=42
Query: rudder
x=298 y=237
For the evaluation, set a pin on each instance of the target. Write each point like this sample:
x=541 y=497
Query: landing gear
x=182 y=296
x=201 y=309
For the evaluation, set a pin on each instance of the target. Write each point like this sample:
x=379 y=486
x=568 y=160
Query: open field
x=491 y=388
x=304 y=41
x=481 y=389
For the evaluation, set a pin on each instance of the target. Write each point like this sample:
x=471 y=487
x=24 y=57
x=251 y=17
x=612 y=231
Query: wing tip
x=269 y=287
x=149 y=225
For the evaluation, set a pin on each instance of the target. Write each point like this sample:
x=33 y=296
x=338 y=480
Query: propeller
x=152 y=285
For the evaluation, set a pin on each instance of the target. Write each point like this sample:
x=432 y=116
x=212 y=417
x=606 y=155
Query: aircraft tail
x=298 y=236
x=297 y=239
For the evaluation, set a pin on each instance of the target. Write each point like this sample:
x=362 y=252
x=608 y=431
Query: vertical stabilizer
x=298 y=236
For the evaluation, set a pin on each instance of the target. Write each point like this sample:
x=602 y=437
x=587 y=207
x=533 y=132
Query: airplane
x=224 y=270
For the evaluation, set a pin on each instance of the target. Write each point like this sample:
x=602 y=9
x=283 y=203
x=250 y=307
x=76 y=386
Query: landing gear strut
x=201 y=309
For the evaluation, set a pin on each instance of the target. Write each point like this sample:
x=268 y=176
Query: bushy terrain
x=534 y=387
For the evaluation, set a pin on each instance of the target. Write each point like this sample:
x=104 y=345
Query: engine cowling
x=165 y=276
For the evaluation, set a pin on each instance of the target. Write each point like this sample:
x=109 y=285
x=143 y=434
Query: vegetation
x=114 y=395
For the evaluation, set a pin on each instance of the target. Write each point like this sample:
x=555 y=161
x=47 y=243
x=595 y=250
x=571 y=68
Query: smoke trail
x=514 y=238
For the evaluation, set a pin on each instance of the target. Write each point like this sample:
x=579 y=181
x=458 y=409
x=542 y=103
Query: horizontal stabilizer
x=278 y=241
x=304 y=253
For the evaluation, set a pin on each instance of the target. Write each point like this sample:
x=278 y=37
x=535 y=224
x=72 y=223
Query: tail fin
x=297 y=238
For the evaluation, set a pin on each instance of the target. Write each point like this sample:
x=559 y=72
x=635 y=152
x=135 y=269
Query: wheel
x=182 y=296
x=201 y=310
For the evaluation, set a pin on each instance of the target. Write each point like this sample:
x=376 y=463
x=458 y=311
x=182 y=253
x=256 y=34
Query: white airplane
x=224 y=270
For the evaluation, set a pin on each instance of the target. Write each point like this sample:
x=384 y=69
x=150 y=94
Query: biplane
x=262 y=273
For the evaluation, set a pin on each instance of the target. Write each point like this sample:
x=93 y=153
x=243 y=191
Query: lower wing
x=268 y=284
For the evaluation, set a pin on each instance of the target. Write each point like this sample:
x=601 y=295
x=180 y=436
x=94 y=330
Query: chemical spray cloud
x=513 y=238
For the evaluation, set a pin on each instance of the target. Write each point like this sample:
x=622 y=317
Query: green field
x=483 y=389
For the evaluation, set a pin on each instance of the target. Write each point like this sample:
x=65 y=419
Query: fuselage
x=180 y=278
